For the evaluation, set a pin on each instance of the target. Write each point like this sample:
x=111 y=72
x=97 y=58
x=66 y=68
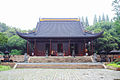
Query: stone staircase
x=60 y=59
x=61 y=65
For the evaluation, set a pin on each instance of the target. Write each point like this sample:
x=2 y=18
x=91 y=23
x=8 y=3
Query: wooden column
x=35 y=47
x=69 y=48
x=80 y=48
x=92 y=47
x=28 y=48
x=84 y=46
x=50 y=47
x=89 y=48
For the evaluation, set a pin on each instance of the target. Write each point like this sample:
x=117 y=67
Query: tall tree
x=3 y=39
x=107 y=18
x=103 y=17
x=95 y=19
x=107 y=41
x=111 y=20
x=15 y=42
x=99 y=20
x=86 y=22
x=3 y=27
x=116 y=9
x=116 y=6
x=82 y=20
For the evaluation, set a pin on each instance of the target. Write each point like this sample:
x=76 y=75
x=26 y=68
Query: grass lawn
x=114 y=65
x=4 y=68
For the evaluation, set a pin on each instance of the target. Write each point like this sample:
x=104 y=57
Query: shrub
x=118 y=63
x=16 y=52
x=1 y=53
x=117 y=60
x=4 y=68
x=112 y=63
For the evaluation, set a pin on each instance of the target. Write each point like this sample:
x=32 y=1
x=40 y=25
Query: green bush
x=16 y=52
x=1 y=53
x=117 y=60
x=112 y=63
x=118 y=63
x=4 y=68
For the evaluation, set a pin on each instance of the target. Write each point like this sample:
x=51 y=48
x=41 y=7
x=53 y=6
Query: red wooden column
x=50 y=47
x=92 y=46
x=35 y=50
x=84 y=46
x=69 y=48
x=79 y=49
x=89 y=43
x=27 y=47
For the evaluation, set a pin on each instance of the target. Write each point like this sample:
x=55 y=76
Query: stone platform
x=59 y=59
x=60 y=62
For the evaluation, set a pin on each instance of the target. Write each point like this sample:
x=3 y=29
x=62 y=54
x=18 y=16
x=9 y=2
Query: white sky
x=24 y=14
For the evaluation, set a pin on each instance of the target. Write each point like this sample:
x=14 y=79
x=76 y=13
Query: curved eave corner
x=99 y=34
x=22 y=35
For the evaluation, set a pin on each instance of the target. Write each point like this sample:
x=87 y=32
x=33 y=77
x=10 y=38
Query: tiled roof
x=48 y=27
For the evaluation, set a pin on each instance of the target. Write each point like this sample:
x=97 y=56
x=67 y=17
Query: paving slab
x=59 y=74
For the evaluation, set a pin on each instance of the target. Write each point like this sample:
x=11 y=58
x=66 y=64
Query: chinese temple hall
x=59 y=37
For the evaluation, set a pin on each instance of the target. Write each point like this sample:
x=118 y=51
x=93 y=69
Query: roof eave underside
x=26 y=36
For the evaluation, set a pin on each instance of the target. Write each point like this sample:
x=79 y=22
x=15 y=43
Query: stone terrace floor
x=59 y=74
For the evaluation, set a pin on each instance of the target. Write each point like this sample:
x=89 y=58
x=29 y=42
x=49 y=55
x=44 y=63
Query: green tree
x=15 y=42
x=3 y=39
x=82 y=20
x=3 y=27
x=86 y=22
x=108 y=41
x=116 y=9
x=99 y=19
x=107 y=18
x=116 y=6
x=95 y=19
x=9 y=39
x=16 y=52
x=103 y=17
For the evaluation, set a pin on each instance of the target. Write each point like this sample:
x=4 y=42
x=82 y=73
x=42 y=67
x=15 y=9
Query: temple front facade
x=59 y=37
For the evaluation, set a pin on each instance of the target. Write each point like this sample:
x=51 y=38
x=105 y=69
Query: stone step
x=60 y=65
x=60 y=59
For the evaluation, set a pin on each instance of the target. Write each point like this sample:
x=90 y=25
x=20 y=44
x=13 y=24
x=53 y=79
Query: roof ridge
x=59 y=19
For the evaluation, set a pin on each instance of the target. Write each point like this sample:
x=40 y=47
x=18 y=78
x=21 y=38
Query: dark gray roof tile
x=59 y=29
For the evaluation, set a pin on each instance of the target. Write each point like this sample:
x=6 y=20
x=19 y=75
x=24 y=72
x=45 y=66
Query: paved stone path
x=59 y=74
